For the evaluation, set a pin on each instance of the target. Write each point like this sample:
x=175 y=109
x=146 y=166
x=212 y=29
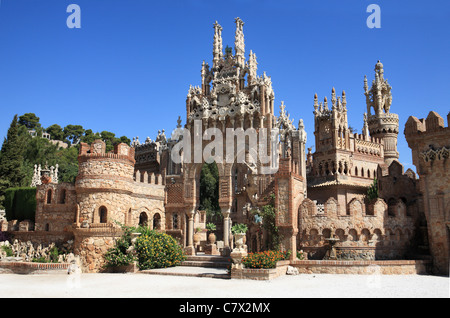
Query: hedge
x=20 y=204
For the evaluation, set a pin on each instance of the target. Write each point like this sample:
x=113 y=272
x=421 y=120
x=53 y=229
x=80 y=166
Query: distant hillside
x=28 y=143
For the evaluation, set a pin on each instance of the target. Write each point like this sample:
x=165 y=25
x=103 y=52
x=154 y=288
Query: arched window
x=103 y=214
x=49 y=196
x=143 y=219
x=356 y=171
x=47 y=227
x=62 y=196
x=157 y=222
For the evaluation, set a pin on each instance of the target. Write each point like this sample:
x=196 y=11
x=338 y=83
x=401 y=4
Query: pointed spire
x=344 y=100
x=316 y=104
x=252 y=65
x=239 y=44
x=217 y=46
x=333 y=98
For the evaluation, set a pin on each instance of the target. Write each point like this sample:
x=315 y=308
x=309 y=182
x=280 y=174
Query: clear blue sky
x=129 y=67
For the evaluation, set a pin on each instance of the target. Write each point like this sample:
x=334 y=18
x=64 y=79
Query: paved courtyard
x=161 y=286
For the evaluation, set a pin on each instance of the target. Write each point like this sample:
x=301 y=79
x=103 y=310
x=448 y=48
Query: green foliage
x=73 y=133
x=158 y=250
x=209 y=191
x=20 y=204
x=29 y=120
x=239 y=228
x=372 y=191
x=211 y=227
x=118 y=256
x=20 y=152
x=56 y=132
x=11 y=158
x=267 y=259
x=268 y=215
x=8 y=250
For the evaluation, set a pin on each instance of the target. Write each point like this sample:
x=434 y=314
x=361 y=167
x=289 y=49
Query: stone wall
x=366 y=231
x=429 y=141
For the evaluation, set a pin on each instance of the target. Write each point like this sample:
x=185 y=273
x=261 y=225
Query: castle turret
x=382 y=124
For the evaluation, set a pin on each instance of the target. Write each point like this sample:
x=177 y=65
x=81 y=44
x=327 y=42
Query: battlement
x=433 y=123
x=97 y=150
x=148 y=178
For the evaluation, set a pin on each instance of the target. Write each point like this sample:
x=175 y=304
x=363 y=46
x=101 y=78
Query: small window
x=62 y=196
x=49 y=196
x=103 y=214
x=175 y=221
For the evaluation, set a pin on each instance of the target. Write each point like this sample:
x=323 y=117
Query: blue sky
x=128 y=68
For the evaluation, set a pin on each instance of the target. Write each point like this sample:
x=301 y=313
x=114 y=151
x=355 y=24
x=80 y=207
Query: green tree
x=73 y=133
x=209 y=190
x=11 y=159
x=89 y=136
x=29 y=120
x=56 y=132
x=372 y=191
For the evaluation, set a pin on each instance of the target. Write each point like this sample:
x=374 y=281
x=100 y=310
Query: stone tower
x=382 y=124
x=232 y=97
x=429 y=141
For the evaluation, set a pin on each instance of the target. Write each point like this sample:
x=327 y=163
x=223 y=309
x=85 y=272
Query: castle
x=318 y=196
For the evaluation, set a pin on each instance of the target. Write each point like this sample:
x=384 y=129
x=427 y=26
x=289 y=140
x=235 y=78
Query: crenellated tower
x=382 y=124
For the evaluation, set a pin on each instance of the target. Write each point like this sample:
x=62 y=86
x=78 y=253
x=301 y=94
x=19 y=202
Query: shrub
x=118 y=256
x=20 y=204
x=8 y=250
x=267 y=259
x=157 y=250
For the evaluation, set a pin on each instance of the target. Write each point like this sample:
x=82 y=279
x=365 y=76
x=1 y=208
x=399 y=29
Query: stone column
x=190 y=250
x=226 y=231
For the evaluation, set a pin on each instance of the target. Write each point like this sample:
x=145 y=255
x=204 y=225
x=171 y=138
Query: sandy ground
x=158 y=286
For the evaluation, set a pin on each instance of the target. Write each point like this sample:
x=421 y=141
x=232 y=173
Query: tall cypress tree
x=11 y=159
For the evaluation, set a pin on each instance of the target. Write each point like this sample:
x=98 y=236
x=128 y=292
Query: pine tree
x=11 y=159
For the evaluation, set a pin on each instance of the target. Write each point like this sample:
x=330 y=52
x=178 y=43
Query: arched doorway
x=209 y=191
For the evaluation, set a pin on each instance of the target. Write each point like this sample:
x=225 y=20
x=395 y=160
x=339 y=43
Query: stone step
x=209 y=261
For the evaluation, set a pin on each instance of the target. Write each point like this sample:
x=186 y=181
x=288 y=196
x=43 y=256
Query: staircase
x=199 y=265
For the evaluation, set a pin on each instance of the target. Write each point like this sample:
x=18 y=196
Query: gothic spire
x=217 y=46
x=239 y=45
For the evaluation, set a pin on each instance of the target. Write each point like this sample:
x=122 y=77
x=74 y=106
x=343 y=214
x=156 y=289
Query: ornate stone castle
x=318 y=196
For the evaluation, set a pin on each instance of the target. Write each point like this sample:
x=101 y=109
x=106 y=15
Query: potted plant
x=239 y=230
x=211 y=227
x=197 y=236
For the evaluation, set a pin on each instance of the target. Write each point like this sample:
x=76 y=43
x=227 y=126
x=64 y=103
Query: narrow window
x=49 y=196
x=103 y=214
x=62 y=198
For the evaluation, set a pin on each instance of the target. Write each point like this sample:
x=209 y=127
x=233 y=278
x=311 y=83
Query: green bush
x=157 y=250
x=20 y=204
x=118 y=256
